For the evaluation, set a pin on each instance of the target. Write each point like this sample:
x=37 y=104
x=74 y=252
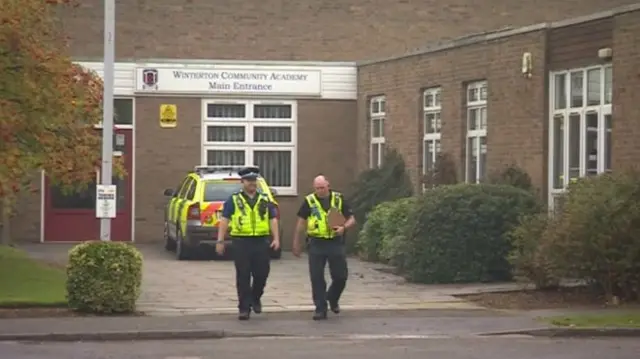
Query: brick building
x=313 y=112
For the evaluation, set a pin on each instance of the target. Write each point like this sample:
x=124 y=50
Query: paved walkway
x=172 y=287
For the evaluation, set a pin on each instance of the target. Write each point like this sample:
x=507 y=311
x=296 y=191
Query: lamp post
x=107 y=114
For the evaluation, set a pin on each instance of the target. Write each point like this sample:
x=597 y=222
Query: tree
x=49 y=105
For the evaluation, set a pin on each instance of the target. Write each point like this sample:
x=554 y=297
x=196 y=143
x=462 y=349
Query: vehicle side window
x=180 y=187
x=192 y=191
x=185 y=188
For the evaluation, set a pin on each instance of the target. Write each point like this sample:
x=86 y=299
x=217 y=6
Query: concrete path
x=172 y=287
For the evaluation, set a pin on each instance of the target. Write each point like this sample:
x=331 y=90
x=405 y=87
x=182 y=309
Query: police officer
x=252 y=219
x=325 y=244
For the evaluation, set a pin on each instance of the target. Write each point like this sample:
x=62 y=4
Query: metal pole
x=107 y=119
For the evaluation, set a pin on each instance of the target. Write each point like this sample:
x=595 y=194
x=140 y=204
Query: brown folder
x=335 y=218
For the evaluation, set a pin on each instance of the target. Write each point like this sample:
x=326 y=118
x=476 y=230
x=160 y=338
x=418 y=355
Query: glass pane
x=483 y=93
x=220 y=190
x=608 y=85
x=576 y=89
x=591 y=144
x=185 y=188
x=437 y=99
x=560 y=92
x=381 y=153
x=429 y=100
x=220 y=110
x=482 y=112
x=432 y=122
x=275 y=167
x=272 y=111
x=373 y=155
x=472 y=159
x=377 y=127
x=482 y=161
x=272 y=134
x=123 y=111
x=607 y=143
x=593 y=87
x=472 y=94
x=558 y=152
x=429 y=155
x=383 y=105
x=472 y=119
x=375 y=107
x=574 y=146
x=225 y=158
x=86 y=198
x=225 y=134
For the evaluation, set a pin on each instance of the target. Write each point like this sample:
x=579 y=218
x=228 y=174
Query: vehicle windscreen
x=220 y=191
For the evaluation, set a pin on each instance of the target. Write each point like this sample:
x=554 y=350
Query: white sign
x=205 y=81
x=106 y=201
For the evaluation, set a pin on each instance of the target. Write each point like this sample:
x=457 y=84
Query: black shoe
x=244 y=315
x=257 y=306
x=334 y=306
x=320 y=315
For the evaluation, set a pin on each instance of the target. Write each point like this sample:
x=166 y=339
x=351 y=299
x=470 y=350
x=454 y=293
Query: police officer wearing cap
x=251 y=218
x=325 y=243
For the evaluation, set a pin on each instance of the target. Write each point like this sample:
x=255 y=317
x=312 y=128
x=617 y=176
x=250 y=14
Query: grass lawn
x=615 y=319
x=25 y=282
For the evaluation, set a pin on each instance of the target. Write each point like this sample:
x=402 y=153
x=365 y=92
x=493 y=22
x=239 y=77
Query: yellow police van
x=194 y=209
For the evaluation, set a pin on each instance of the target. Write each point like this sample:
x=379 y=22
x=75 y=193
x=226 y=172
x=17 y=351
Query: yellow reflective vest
x=318 y=221
x=247 y=221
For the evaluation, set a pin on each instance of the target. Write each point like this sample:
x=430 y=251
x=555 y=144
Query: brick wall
x=516 y=115
x=301 y=29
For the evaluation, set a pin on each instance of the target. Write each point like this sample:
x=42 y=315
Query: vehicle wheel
x=169 y=244
x=182 y=250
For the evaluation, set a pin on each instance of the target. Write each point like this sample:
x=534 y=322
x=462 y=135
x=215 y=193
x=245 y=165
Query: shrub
x=512 y=175
x=460 y=233
x=443 y=172
x=596 y=236
x=372 y=187
x=393 y=248
x=370 y=236
x=530 y=255
x=104 y=277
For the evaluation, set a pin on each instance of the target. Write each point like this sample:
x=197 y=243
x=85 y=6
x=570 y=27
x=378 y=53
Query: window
x=377 y=115
x=476 y=158
x=431 y=109
x=247 y=133
x=580 y=127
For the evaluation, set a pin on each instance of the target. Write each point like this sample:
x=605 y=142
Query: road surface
x=323 y=348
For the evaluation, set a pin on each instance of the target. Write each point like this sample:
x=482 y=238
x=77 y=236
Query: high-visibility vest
x=247 y=221
x=318 y=221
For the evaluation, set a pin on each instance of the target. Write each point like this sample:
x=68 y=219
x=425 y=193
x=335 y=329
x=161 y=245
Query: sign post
x=107 y=120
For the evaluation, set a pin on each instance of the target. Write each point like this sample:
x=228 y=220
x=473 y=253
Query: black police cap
x=249 y=173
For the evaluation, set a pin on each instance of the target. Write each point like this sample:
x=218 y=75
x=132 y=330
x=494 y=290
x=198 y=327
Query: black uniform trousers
x=320 y=252
x=252 y=260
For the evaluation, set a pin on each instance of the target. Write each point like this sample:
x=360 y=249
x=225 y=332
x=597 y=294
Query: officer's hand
x=339 y=230
x=275 y=244
x=297 y=249
x=220 y=248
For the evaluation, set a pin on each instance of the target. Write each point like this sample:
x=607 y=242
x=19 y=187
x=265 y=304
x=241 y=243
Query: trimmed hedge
x=104 y=277
x=595 y=237
x=459 y=233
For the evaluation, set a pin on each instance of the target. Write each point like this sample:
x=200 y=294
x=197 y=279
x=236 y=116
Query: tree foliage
x=49 y=105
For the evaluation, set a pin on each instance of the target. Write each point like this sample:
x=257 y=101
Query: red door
x=72 y=217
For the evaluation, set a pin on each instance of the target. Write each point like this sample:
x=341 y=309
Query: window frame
x=603 y=110
x=249 y=146
x=428 y=138
x=379 y=141
x=476 y=134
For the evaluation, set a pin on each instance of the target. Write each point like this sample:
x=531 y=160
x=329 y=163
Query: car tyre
x=182 y=249
x=169 y=244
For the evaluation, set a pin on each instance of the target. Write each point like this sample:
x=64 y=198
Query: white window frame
x=477 y=134
x=431 y=138
x=248 y=145
x=378 y=140
x=602 y=110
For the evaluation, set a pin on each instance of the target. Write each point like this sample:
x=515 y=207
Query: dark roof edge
x=503 y=33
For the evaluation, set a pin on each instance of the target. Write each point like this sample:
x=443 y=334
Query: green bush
x=512 y=175
x=104 y=277
x=530 y=255
x=372 y=187
x=596 y=236
x=393 y=248
x=370 y=236
x=459 y=233
x=443 y=172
